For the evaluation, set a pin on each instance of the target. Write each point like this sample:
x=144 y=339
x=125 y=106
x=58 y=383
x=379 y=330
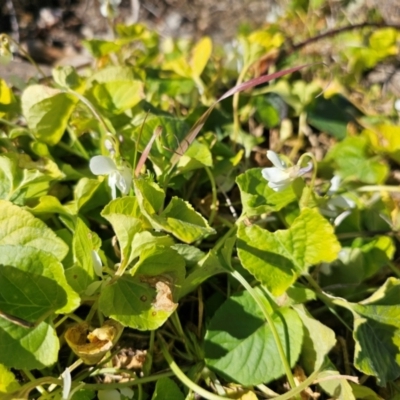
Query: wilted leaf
x=147 y=299
x=92 y=347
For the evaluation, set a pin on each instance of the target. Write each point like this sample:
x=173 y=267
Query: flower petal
x=275 y=175
x=335 y=184
x=67 y=381
x=305 y=169
x=102 y=165
x=279 y=186
x=97 y=264
x=276 y=161
x=112 y=182
x=124 y=179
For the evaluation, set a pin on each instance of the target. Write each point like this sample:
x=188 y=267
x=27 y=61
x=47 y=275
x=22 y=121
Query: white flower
x=109 y=8
x=280 y=175
x=118 y=177
x=337 y=203
x=97 y=264
x=397 y=105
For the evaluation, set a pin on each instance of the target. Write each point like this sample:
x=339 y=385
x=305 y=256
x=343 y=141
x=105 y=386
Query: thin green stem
x=78 y=144
x=227 y=235
x=314 y=174
x=92 y=311
x=140 y=390
x=30 y=59
x=394 y=269
x=214 y=204
x=315 y=166
x=326 y=300
x=177 y=325
x=29 y=375
x=71 y=150
x=182 y=377
x=12 y=124
x=260 y=302
x=90 y=106
x=23 y=391
x=376 y=188
x=298 y=389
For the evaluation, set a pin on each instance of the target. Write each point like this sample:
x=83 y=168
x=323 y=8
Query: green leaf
x=47 y=112
x=363 y=259
x=167 y=389
x=22 y=179
x=277 y=259
x=377 y=332
x=82 y=273
x=145 y=240
x=332 y=115
x=149 y=196
x=365 y=393
x=339 y=388
x=146 y=300
x=88 y=194
x=27 y=295
x=238 y=331
x=266 y=113
x=18 y=226
x=257 y=197
x=124 y=216
x=99 y=48
x=178 y=218
x=42 y=286
x=67 y=77
x=205 y=268
x=29 y=349
x=181 y=220
x=318 y=340
x=115 y=89
x=197 y=156
x=352 y=159
x=173 y=131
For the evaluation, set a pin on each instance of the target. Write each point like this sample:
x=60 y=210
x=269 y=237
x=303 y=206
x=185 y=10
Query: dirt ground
x=52 y=30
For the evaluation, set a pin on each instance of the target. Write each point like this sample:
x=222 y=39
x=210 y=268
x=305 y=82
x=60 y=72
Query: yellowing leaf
x=277 y=259
x=200 y=55
x=8 y=383
x=47 y=112
x=6 y=97
x=19 y=227
x=385 y=138
x=91 y=347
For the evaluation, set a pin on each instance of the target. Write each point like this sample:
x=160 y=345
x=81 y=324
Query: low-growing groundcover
x=152 y=248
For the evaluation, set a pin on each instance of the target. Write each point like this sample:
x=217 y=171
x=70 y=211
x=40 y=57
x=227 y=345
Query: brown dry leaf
x=299 y=377
x=92 y=347
x=130 y=359
x=164 y=300
x=239 y=393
